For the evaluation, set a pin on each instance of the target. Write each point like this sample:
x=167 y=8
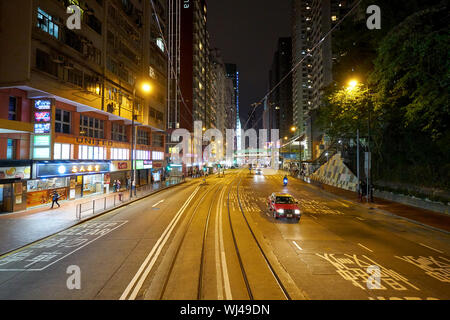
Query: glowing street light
x=352 y=84
x=146 y=87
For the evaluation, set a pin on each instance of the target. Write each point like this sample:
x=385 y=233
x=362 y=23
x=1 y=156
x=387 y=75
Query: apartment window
x=118 y=132
x=91 y=127
x=12 y=110
x=44 y=63
x=62 y=151
x=11 y=149
x=120 y=154
x=156 y=155
x=142 y=155
x=47 y=23
x=160 y=44
x=94 y=23
x=62 y=121
x=142 y=138
x=91 y=153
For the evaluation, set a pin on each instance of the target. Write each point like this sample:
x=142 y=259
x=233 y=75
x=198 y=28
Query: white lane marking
x=313 y=217
x=157 y=204
x=347 y=206
x=359 y=244
x=423 y=245
x=299 y=248
x=217 y=254
x=226 y=279
x=145 y=268
x=360 y=218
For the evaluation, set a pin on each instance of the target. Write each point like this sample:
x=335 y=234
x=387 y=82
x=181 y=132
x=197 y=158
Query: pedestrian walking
x=115 y=186
x=118 y=185
x=55 y=198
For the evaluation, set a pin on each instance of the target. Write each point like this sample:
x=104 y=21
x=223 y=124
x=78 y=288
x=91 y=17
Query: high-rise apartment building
x=312 y=20
x=279 y=103
x=68 y=98
x=189 y=92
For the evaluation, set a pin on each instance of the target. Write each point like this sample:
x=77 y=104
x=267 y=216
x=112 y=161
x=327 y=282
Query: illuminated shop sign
x=42 y=116
x=139 y=165
x=41 y=141
x=41 y=153
x=94 y=142
x=43 y=104
x=15 y=173
x=40 y=128
x=47 y=170
x=148 y=164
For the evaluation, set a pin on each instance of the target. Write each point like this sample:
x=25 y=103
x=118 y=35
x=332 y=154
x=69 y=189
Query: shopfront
x=157 y=171
x=120 y=171
x=72 y=180
x=13 y=176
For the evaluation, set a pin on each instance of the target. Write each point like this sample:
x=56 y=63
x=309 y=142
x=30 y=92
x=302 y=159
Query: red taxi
x=283 y=205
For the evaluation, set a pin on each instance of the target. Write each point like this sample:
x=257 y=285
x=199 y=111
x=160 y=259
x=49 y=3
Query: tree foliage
x=407 y=69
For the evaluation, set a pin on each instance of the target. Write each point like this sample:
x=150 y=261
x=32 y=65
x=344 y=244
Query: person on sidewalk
x=55 y=198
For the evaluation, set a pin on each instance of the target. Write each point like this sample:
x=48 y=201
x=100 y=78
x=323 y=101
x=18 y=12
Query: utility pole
x=357 y=161
x=133 y=167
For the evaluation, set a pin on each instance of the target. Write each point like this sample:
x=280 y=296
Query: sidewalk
x=24 y=227
x=426 y=217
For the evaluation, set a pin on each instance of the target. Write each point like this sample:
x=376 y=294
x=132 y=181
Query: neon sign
x=42 y=104
x=42 y=116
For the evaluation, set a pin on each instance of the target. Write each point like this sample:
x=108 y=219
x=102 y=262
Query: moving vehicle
x=258 y=171
x=283 y=205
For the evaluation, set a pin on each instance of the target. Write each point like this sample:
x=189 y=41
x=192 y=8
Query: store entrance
x=93 y=184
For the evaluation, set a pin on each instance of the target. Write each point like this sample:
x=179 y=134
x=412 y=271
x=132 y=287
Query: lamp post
x=352 y=85
x=146 y=88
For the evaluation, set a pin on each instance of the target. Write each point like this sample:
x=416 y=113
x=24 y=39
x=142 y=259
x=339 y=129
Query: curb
x=3 y=254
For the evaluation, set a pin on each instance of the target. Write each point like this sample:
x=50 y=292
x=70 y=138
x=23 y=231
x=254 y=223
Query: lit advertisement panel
x=65 y=169
x=44 y=116
x=43 y=104
x=40 y=128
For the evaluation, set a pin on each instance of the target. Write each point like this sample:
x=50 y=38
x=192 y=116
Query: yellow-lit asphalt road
x=217 y=241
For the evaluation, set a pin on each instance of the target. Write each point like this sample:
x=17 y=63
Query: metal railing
x=111 y=201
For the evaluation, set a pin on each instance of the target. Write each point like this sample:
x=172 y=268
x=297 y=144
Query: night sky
x=246 y=32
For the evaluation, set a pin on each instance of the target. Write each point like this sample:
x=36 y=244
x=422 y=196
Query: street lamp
x=146 y=88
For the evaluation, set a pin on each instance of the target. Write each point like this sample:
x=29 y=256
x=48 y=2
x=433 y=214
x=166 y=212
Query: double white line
x=147 y=265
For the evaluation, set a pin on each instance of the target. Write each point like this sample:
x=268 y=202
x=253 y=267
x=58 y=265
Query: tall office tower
x=189 y=64
x=312 y=20
x=233 y=115
x=221 y=97
x=67 y=101
x=279 y=102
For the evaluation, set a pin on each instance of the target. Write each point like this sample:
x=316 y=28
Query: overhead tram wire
x=300 y=62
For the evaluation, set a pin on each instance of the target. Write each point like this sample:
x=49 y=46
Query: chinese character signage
x=48 y=170
x=43 y=104
x=44 y=116
x=41 y=128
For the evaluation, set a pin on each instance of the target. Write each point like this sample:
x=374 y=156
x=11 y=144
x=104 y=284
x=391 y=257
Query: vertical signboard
x=41 y=145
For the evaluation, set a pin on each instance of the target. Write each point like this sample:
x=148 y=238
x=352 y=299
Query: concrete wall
x=414 y=202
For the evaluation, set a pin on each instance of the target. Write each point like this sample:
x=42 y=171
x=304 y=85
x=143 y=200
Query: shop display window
x=47 y=184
